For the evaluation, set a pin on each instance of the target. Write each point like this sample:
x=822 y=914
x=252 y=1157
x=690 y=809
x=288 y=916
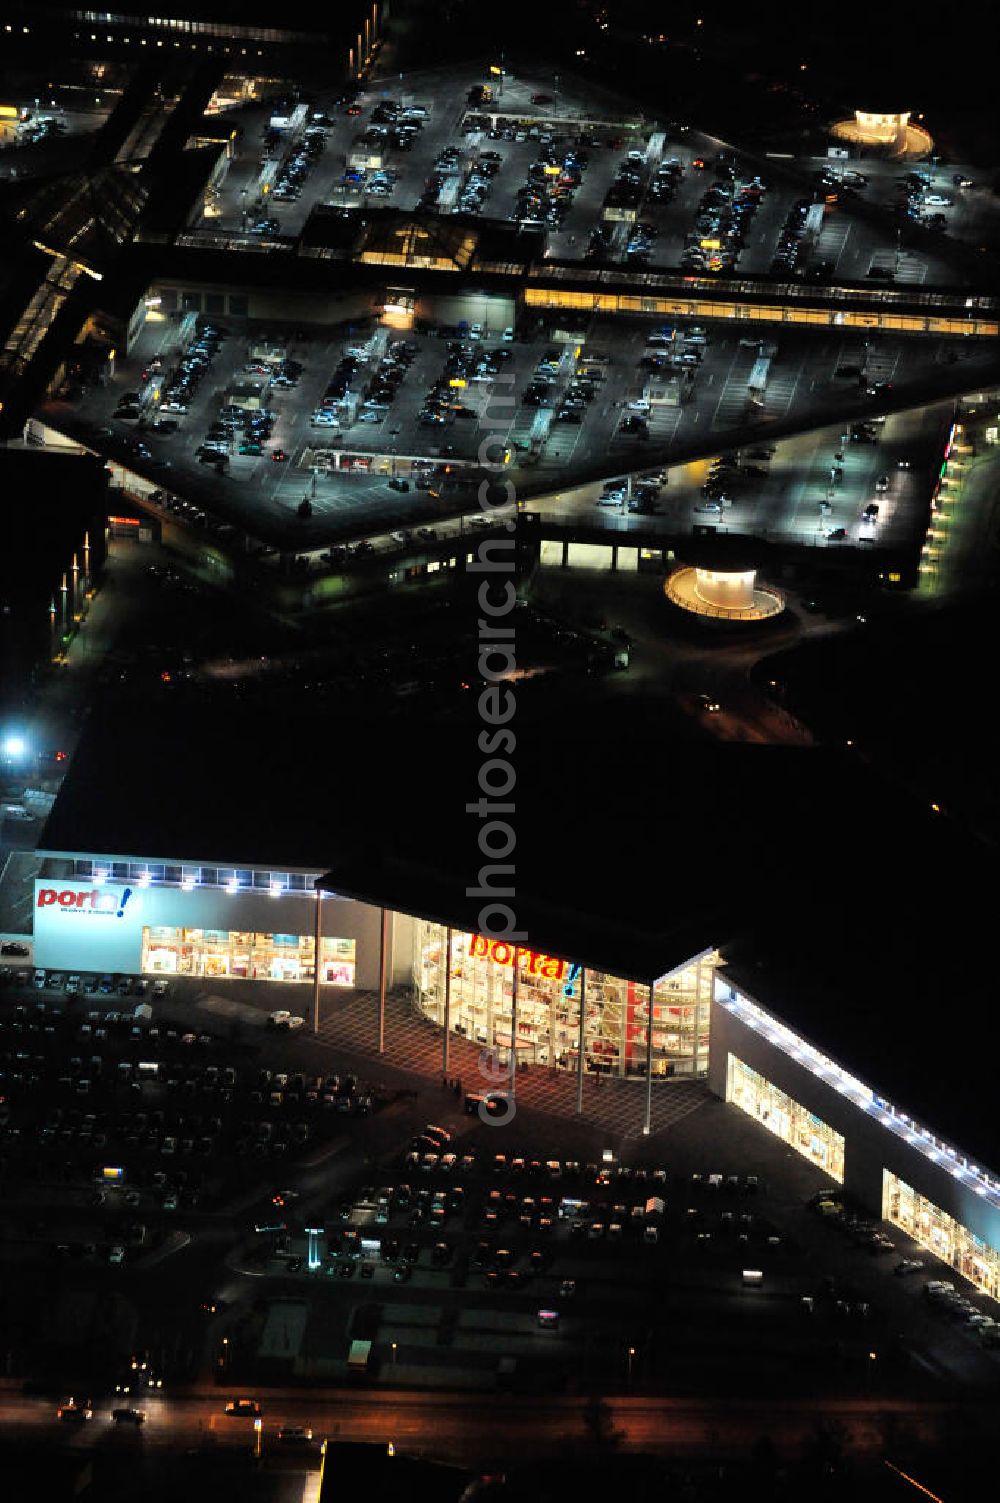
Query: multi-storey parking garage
x=565 y=308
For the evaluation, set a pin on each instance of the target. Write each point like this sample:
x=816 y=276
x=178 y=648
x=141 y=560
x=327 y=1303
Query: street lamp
x=394 y=1354
x=14 y=747
x=631 y=1359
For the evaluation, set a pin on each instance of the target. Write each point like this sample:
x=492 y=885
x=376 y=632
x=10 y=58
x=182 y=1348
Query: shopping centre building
x=711 y=1018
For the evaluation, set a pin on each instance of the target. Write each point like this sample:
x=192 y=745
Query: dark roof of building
x=851 y=913
x=874 y=962
x=727 y=552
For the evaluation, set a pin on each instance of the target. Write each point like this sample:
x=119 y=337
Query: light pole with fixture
x=317 y=950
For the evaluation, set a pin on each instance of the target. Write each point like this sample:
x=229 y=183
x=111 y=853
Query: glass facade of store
x=941 y=1234
x=793 y=1123
x=237 y=953
x=549 y=994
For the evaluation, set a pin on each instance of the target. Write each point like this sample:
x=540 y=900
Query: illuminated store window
x=243 y=954
x=941 y=1234
x=789 y=1120
x=548 y=1007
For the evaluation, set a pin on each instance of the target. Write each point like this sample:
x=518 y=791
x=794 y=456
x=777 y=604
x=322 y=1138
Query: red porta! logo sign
x=85 y=900
x=532 y=963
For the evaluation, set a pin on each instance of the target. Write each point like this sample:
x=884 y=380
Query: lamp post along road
x=317 y=948
x=579 y=1042
x=381 y=980
x=649 y=1063
x=513 y=1026
x=447 y=1006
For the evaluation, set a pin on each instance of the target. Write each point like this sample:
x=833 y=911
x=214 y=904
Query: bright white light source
x=14 y=746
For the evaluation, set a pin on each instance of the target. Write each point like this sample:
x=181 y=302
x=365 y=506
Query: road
x=463 y=1428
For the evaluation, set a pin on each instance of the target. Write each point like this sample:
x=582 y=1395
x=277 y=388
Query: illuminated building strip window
x=861 y=1095
x=787 y=1118
x=693 y=285
x=941 y=1234
x=169 y=951
x=188 y=876
x=619 y=302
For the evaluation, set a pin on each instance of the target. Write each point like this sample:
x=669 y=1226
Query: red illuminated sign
x=124 y=521
x=531 y=962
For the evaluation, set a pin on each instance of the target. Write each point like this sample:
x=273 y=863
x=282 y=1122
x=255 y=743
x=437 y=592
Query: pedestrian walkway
x=414 y=1044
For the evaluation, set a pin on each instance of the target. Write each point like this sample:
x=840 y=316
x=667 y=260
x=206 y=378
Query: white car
x=116 y=1255
x=938 y=201
x=282 y=1018
x=16 y=813
x=508 y=336
x=324 y=420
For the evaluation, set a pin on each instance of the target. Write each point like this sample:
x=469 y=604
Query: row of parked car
x=248 y=429
x=83 y=984
x=380 y=391
x=553 y=179
x=465 y=361
x=184 y=380
x=299 y=162
x=541 y=388
x=727 y=477
x=400 y=124
x=583 y=387
x=943 y=1297
x=335 y=407
x=915 y=195
x=189 y=513
x=791 y=246
x=724 y=216
x=376 y=182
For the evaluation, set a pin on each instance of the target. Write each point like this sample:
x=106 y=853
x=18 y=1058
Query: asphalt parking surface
x=850 y=245
x=682 y=1305
x=263 y=496
x=799 y=496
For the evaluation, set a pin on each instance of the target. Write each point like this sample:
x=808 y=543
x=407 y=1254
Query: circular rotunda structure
x=720 y=581
x=889 y=133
